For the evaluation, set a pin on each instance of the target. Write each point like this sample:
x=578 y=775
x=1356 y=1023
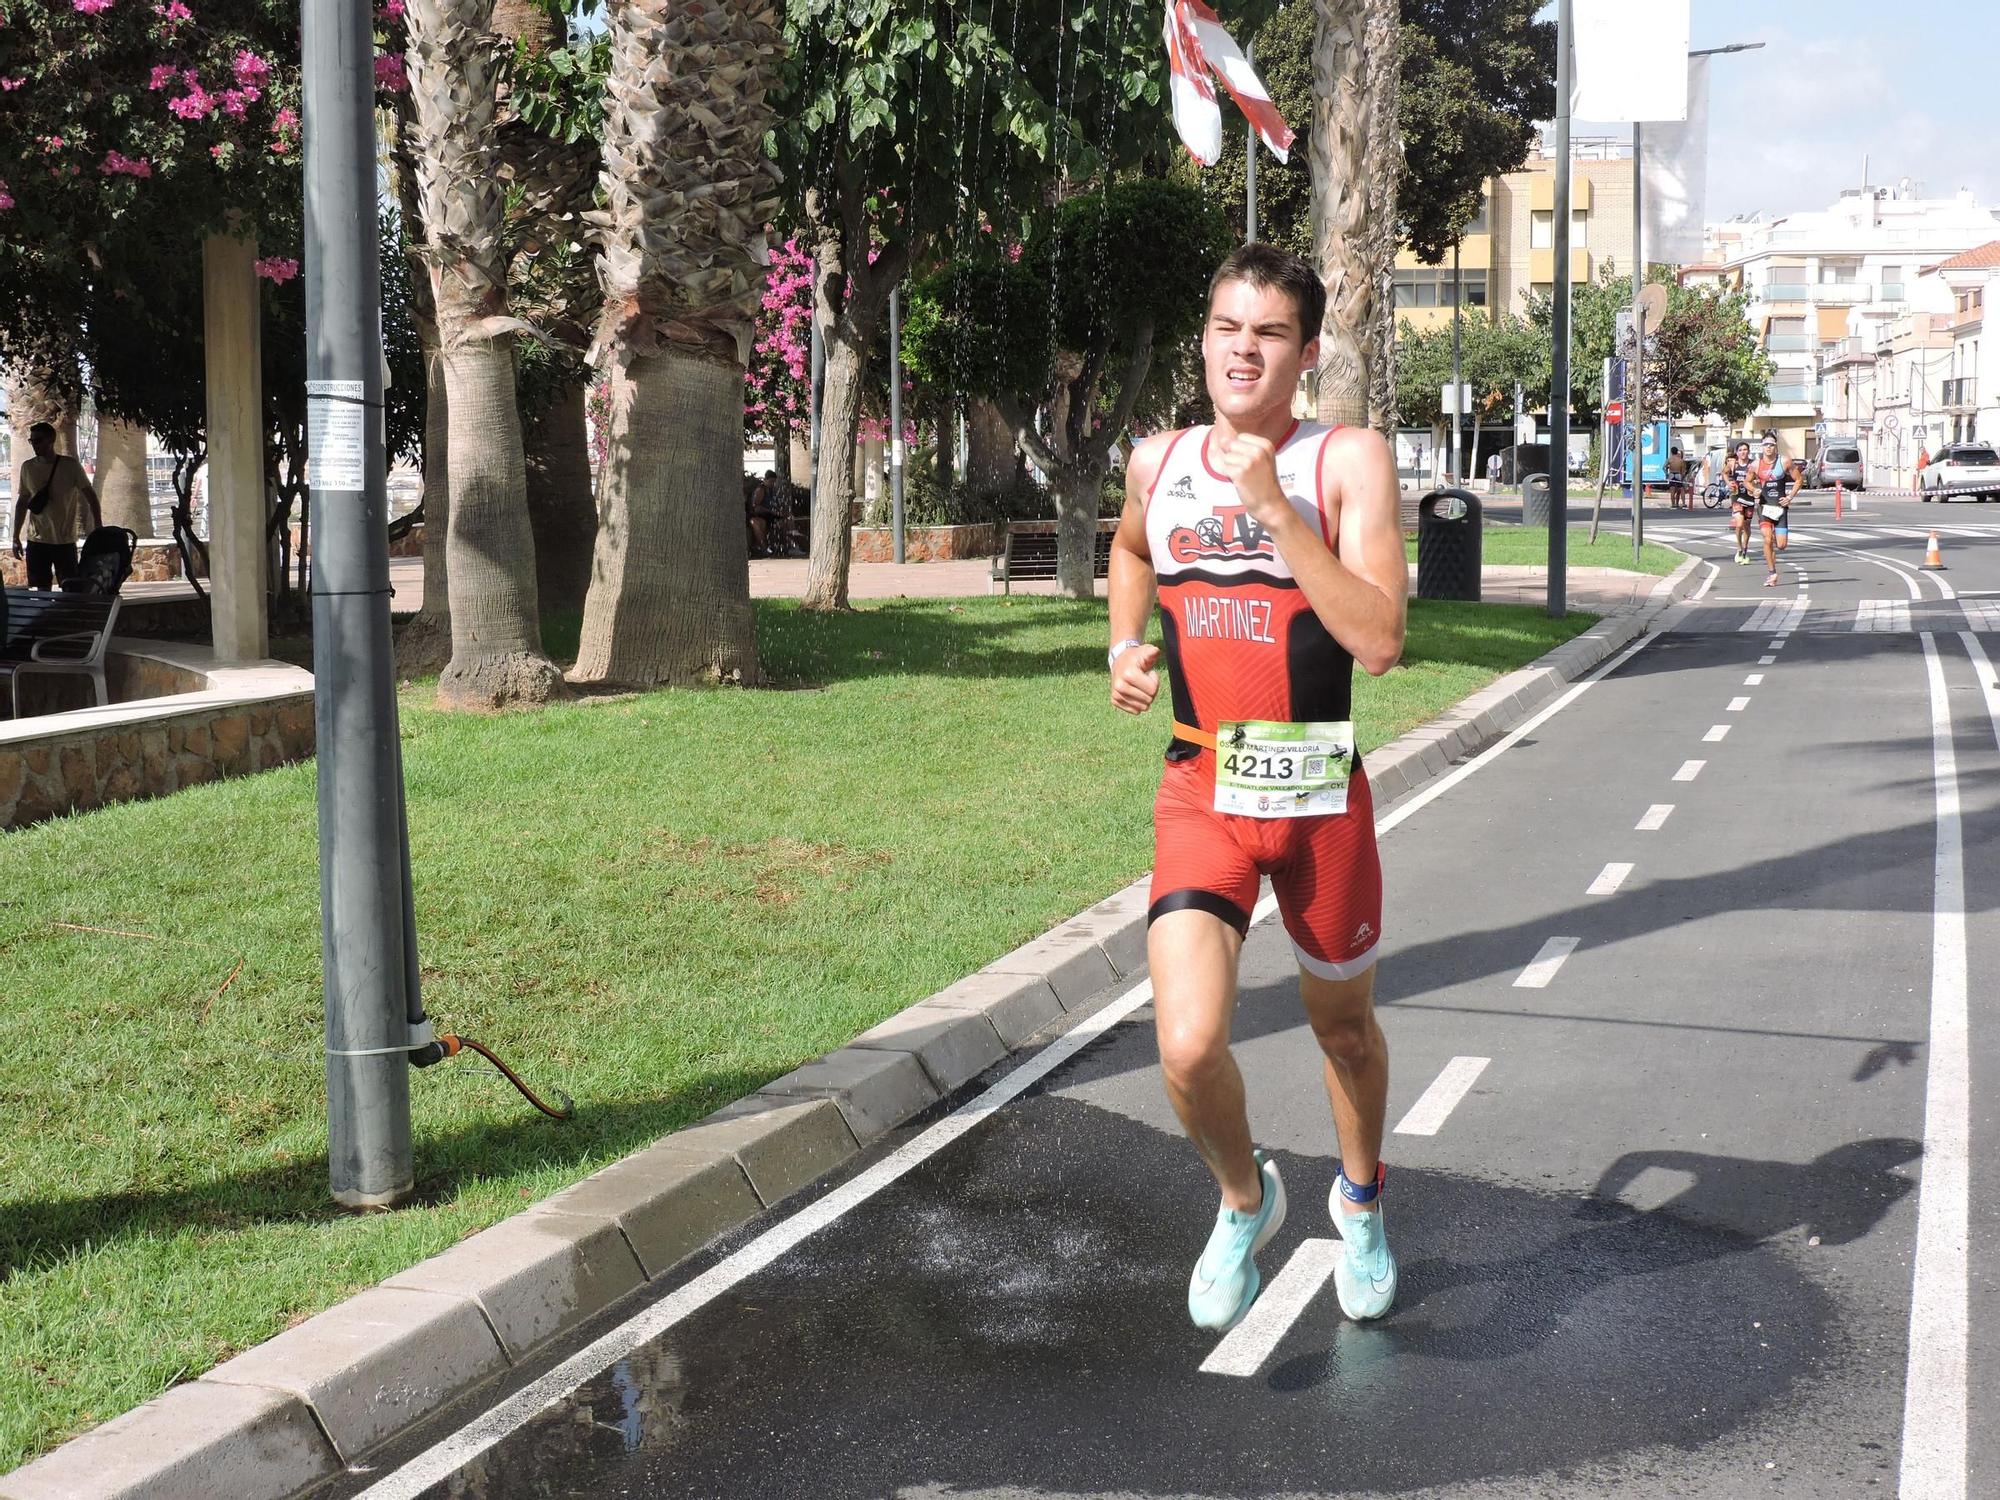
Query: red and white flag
x=1196 y=47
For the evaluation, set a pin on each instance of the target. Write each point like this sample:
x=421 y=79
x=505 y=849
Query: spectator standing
x=53 y=498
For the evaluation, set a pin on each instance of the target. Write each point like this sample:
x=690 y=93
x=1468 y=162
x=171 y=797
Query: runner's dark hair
x=1264 y=265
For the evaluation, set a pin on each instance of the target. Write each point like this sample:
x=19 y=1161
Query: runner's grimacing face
x=1251 y=351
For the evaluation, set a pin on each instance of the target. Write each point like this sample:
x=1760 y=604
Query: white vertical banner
x=1628 y=60
x=1675 y=174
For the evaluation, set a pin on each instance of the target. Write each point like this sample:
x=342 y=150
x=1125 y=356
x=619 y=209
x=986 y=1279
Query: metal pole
x=367 y=945
x=896 y=419
x=1249 y=163
x=1635 y=387
x=1457 y=378
x=1558 y=602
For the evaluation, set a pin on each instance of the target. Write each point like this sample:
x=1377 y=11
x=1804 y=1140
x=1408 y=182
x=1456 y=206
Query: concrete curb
x=284 y=1416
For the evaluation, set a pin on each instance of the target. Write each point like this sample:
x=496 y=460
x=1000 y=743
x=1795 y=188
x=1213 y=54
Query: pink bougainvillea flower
x=285 y=119
x=162 y=76
x=392 y=10
x=196 y=104
x=251 y=69
x=389 y=73
x=8 y=85
x=277 y=269
x=236 y=102
x=91 y=7
x=117 y=164
x=6 y=198
x=173 y=13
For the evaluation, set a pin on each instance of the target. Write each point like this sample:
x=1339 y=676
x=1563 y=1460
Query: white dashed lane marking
x=1538 y=973
x=1245 y=1347
x=1655 y=817
x=1716 y=733
x=1765 y=661
x=1608 y=880
x=1755 y=679
x=1437 y=1102
x=1737 y=705
x=1689 y=770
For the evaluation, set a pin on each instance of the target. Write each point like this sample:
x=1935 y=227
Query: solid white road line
x=1436 y=1103
x=1716 y=733
x=1709 y=582
x=1737 y=705
x=1245 y=1347
x=1934 y=1387
x=1689 y=770
x=1545 y=964
x=1989 y=685
x=1900 y=569
x=1607 y=882
x=1655 y=817
x=491 y=1426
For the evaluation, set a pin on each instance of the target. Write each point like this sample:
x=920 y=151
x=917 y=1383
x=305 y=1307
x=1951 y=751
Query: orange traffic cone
x=1932 y=557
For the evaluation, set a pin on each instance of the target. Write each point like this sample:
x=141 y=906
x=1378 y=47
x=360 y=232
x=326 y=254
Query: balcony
x=1786 y=291
x=1846 y=351
x=1843 y=293
x=1960 y=394
x=1793 y=395
x=1892 y=291
x=1788 y=343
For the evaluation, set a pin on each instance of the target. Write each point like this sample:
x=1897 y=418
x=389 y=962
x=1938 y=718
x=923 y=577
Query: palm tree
x=688 y=191
x=1356 y=162
x=496 y=653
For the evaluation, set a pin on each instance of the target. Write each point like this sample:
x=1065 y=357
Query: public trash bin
x=1449 y=545
x=1535 y=500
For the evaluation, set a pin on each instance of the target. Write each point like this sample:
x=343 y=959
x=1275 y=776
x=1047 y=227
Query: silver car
x=1837 y=463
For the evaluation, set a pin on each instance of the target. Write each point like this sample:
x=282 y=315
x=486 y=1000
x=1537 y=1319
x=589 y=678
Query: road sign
x=1459 y=408
x=1653 y=303
x=1614 y=411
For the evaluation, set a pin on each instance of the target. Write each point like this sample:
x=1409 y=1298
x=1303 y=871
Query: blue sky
x=1915 y=84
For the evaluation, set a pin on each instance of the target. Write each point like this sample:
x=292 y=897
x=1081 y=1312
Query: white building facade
x=1828 y=289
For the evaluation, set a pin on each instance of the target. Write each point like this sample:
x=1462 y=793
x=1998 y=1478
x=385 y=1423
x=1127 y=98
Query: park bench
x=56 y=632
x=1030 y=552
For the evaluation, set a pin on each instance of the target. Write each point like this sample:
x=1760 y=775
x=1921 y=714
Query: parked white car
x=1959 y=465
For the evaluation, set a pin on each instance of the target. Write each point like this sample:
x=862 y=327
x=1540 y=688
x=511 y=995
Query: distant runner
x=1775 y=479
x=1742 y=499
x=1277 y=556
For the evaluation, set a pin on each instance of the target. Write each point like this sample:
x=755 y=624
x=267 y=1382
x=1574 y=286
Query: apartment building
x=1970 y=408
x=1509 y=250
x=1835 y=291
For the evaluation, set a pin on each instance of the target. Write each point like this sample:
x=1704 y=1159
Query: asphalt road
x=1689 y=983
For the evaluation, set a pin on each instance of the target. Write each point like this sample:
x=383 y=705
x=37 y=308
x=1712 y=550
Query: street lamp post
x=1558 y=601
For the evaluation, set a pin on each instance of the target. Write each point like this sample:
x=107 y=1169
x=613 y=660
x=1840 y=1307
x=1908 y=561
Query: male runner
x=1275 y=550
x=1774 y=479
x=1742 y=501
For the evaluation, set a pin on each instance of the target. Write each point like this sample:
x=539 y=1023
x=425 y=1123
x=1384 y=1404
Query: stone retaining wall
x=152 y=562
x=877 y=544
x=178 y=719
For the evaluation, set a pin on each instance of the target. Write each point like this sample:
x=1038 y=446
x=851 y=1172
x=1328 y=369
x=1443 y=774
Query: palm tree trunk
x=1354 y=83
x=423 y=643
x=497 y=659
x=121 y=476
x=670 y=583
x=561 y=508
x=1383 y=48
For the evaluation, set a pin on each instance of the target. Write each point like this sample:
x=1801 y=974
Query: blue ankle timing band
x=1355 y=1193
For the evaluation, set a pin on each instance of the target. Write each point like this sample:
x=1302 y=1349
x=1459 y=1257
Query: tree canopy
x=1703 y=358
x=1476 y=76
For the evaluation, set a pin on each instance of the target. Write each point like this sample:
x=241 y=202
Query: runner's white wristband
x=1111 y=657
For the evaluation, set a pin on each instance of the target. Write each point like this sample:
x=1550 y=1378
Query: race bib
x=1272 y=770
x=1774 y=512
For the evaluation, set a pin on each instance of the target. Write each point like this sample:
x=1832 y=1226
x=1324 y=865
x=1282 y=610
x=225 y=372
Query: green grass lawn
x=657 y=903
x=1530 y=545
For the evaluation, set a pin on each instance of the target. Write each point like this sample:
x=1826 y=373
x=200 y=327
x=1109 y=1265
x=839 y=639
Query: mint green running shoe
x=1225 y=1280
x=1365 y=1273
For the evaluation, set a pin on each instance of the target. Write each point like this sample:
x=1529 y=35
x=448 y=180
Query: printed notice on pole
x=336 y=435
